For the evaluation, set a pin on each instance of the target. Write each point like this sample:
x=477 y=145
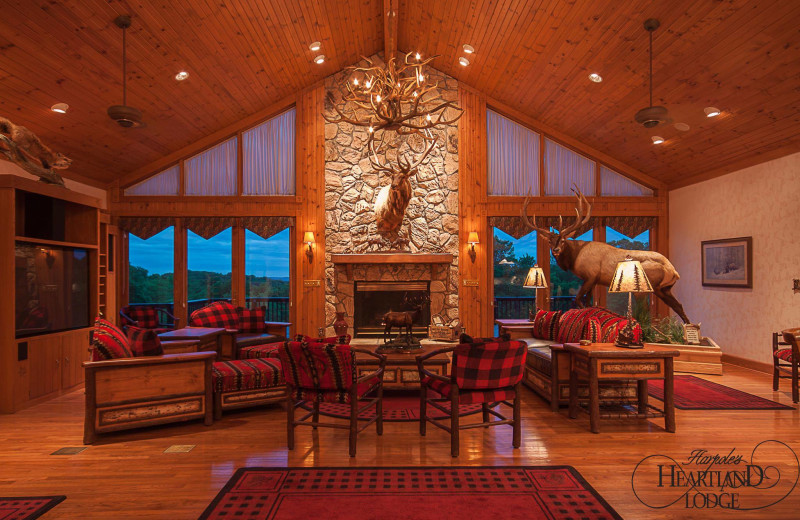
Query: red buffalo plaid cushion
x=269 y=350
x=144 y=342
x=493 y=395
x=784 y=354
x=108 y=341
x=321 y=371
x=246 y=374
x=338 y=340
x=218 y=315
x=145 y=317
x=252 y=320
x=545 y=324
x=488 y=365
x=593 y=330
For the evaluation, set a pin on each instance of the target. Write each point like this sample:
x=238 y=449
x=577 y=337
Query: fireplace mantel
x=393 y=258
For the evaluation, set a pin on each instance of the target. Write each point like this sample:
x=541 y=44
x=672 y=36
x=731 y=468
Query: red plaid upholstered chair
x=325 y=372
x=786 y=360
x=147 y=317
x=483 y=373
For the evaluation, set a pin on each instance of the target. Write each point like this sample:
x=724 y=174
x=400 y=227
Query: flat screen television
x=52 y=288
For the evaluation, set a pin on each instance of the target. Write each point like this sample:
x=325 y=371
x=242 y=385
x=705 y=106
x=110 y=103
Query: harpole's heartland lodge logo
x=706 y=479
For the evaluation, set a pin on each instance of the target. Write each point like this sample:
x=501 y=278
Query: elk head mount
x=595 y=262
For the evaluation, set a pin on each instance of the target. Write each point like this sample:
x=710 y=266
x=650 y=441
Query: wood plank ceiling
x=742 y=56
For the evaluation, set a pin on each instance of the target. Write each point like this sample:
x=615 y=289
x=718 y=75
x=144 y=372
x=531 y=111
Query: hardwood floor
x=128 y=475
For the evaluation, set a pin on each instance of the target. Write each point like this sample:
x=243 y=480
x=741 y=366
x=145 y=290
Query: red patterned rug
x=27 y=508
x=694 y=393
x=398 y=406
x=421 y=493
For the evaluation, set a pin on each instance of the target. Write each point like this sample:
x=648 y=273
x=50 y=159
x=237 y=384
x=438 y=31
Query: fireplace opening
x=374 y=299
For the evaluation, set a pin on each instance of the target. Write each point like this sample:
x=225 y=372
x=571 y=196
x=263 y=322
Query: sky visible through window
x=155 y=254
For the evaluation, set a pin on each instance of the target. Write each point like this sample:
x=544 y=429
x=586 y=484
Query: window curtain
x=268 y=152
x=208 y=227
x=162 y=183
x=212 y=172
x=631 y=226
x=265 y=227
x=612 y=184
x=513 y=153
x=145 y=227
x=563 y=168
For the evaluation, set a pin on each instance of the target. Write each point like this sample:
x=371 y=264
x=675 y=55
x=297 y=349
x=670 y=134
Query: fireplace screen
x=374 y=299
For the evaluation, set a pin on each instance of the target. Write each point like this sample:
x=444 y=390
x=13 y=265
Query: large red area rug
x=419 y=493
x=398 y=406
x=694 y=393
x=27 y=508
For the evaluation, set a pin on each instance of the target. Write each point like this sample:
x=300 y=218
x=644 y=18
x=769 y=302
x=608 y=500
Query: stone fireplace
x=373 y=299
x=424 y=250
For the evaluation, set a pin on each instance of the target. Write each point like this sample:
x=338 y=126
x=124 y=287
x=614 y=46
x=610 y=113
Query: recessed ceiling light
x=60 y=108
x=315 y=46
x=182 y=75
x=683 y=127
x=711 y=111
x=463 y=61
x=597 y=78
x=469 y=49
x=319 y=60
x=657 y=139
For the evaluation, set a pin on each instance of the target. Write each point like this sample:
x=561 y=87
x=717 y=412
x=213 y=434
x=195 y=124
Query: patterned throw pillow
x=217 y=315
x=144 y=342
x=593 y=330
x=252 y=320
x=109 y=342
x=545 y=324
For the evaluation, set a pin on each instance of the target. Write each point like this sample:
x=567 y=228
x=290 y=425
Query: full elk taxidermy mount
x=595 y=262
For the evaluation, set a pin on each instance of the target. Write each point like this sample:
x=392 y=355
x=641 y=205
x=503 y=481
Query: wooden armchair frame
x=455 y=427
x=786 y=338
x=178 y=388
x=355 y=410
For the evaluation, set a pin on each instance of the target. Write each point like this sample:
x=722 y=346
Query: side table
x=604 y=361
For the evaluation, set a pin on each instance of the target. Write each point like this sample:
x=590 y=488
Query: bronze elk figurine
x=403 y=319
x=595 y=262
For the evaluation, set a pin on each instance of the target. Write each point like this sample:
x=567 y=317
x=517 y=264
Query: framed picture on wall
x=727 y=262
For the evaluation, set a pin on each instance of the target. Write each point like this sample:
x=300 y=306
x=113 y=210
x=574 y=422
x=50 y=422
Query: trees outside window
x=151 y=266
x=267 y=273
x=209 y=268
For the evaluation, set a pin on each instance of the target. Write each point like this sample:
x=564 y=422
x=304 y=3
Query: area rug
x=27 y=508
x=398 y=406
x=419 y=493
x=694 y=393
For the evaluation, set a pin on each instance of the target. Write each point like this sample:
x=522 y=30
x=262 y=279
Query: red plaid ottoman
x=240 y=383
x=267 y=350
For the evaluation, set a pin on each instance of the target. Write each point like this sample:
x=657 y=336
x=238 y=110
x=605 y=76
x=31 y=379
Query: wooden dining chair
x=785 y=360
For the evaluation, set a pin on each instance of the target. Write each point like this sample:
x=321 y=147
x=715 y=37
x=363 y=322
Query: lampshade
x=630 y=277
x=309 y=237
x=535 y=278
x=473 y=237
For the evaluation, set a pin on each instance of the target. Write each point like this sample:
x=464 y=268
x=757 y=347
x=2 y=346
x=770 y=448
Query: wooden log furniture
x=241 y=383
x=208 y=338
x=785 y=360
x=401 y=372
x=606 y=362
x=133 y=392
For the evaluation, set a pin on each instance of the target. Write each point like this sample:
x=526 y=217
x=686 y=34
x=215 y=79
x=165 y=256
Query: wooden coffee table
x=604 y=361
x=209 y=338
x=401 y=368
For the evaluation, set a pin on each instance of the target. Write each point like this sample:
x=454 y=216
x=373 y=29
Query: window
x=212 y=172
x=512 y=260
x=564 y=168
x=618 y=302
x=513 y=157
x=163 y=183
x=151 y=266
x=563 y=284
x=209 y=268
x=612 y=184
x=268 y=153
x=266 y=265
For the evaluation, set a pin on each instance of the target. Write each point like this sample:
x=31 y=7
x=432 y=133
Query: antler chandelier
x=393 y=97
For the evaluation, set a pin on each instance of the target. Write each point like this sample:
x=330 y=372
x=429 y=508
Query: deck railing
x=277 y=307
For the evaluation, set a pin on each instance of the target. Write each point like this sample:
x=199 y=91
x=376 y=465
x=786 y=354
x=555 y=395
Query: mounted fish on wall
x=23 y=148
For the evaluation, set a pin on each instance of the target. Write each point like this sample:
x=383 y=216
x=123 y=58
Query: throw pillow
x=545 y=324
x=593 y=330
x=144 y=342
x=252 y=320
x=109 y=342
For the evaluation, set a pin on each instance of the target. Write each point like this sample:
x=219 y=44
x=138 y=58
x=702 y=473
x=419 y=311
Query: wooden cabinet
x=54 y=363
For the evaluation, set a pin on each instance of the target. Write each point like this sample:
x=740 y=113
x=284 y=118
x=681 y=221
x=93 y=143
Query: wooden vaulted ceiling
x=534 y=57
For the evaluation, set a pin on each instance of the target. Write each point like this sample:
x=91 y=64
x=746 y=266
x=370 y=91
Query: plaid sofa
x=249 y=325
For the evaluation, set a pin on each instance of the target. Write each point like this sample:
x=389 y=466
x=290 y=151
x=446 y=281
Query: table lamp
x=535 y=278
x=630 y=278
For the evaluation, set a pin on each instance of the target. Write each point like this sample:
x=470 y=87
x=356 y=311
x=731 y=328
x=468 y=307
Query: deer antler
x=527 y=221
x=583 y=212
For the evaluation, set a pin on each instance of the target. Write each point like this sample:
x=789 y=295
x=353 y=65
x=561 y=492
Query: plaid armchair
x=326 y=372
x=487 y=372
x=147 y=317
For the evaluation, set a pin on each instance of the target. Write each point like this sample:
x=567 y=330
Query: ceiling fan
x=124 y=115
x=652 y=115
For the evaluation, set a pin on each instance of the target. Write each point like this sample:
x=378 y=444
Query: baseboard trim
x=758 y=366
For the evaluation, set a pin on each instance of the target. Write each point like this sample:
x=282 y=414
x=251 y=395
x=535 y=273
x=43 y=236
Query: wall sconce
x=472 y=239
x=309 y=240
